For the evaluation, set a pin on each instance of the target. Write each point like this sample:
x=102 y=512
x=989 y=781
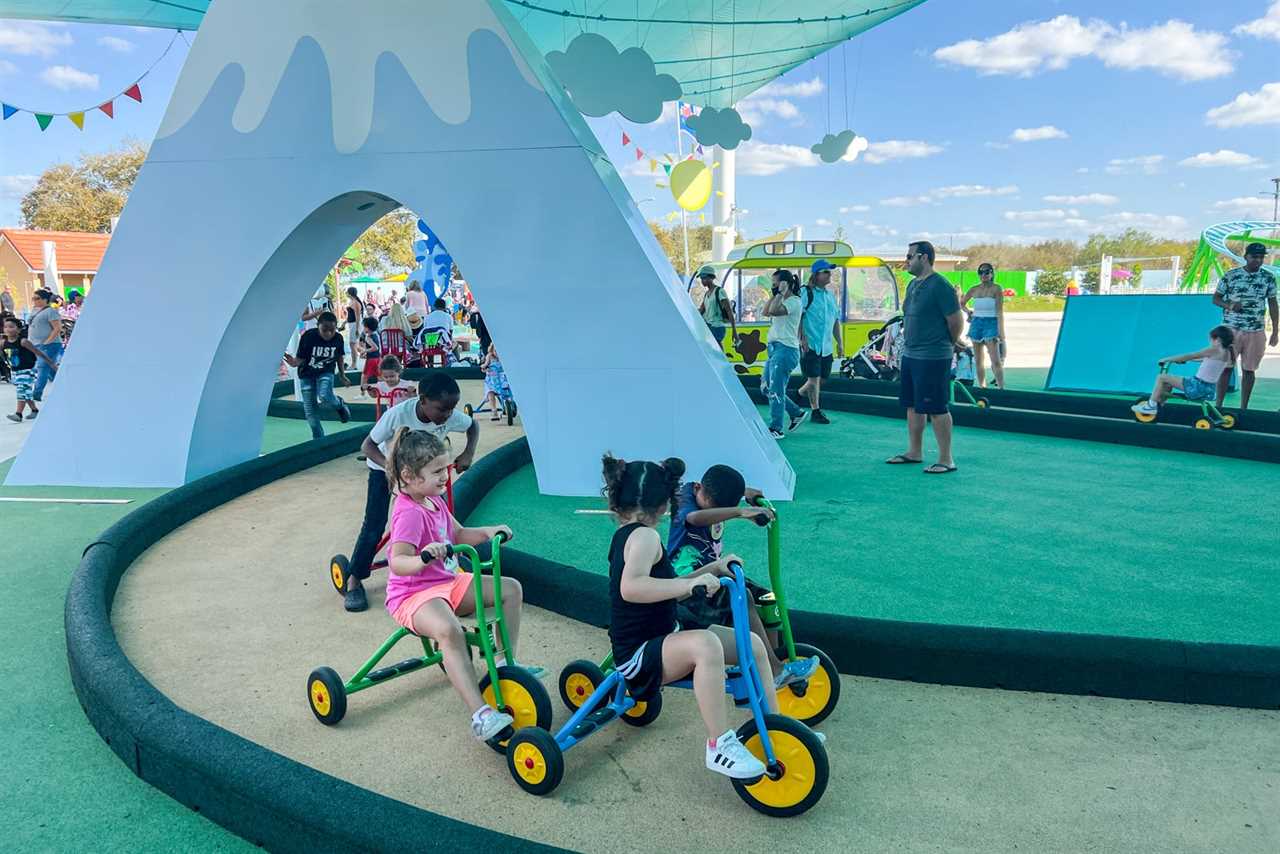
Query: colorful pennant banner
x=76 y=117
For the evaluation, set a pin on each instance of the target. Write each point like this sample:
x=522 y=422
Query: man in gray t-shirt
x=931 y=324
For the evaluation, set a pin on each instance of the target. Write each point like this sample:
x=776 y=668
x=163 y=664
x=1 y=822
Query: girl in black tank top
x=647 y=643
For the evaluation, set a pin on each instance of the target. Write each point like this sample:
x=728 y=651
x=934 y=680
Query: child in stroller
x=880 y=357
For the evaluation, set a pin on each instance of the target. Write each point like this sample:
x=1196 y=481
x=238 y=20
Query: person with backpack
x=716 y=308
x=820 y=335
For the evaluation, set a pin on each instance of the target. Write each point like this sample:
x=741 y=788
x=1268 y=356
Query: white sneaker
x=777 y=434
x=1145 y=408
x=797 y=420
x=488 y=722
x=730 y=758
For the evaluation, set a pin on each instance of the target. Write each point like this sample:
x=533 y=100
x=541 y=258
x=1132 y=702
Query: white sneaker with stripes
x=730 y=758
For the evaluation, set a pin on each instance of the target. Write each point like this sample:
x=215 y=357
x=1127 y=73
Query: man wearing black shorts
x=932 y=322
x=820 y=333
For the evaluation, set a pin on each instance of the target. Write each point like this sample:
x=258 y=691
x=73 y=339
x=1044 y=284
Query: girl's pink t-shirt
x=420 y=525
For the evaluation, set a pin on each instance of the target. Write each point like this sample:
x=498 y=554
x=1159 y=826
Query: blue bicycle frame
x=742 y=681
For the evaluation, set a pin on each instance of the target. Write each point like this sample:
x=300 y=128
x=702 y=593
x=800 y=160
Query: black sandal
x=902 y=460
x=939 y=468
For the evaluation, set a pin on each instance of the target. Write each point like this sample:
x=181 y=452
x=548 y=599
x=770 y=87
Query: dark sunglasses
x=983 y=271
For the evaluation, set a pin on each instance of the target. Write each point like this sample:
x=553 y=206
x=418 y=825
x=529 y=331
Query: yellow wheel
x=524 y=699
x=338 y=573
x=326 y=695
x=812 y=700
x=1204 y=424
x=1228 y=421
x=535 y=760
x=578 y=681
x=798 y=778
x=982 y=403
x=644 y=712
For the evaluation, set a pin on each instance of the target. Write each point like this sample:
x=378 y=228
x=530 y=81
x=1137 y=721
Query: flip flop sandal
x=902 y=460
x=939 y=468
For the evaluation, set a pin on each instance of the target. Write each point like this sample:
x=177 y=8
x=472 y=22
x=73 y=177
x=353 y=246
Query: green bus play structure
x=1206 y=266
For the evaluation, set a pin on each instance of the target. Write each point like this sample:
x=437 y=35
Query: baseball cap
x=1255 y=249
x=706 y=270
x=820 y=265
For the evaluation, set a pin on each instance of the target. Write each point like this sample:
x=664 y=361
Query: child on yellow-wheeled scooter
x=1214 y=359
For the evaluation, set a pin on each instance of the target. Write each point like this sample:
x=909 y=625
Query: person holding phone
x=783 y=310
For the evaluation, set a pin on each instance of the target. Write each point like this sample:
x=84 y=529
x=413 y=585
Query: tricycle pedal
x=593 y=722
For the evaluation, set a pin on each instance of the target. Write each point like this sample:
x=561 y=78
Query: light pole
x=1275 y=200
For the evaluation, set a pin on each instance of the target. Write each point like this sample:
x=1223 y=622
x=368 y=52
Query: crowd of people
x=32 y=344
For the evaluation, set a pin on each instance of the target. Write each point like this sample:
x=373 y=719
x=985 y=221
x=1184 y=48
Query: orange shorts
x=1250 y=347
x=451 y=591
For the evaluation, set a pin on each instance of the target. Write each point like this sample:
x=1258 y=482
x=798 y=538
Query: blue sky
x=987 y=120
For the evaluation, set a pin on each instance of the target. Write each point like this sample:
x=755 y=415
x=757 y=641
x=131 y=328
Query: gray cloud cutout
x=724 y=128
x=600 y=80
x=833 y=146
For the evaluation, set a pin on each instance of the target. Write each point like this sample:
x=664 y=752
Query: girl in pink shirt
x=427 y=598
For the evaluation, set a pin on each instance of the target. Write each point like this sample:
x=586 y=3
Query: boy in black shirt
x=319 y=351
x=694 y=541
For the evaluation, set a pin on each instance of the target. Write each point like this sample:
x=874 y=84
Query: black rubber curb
x=266 y=798
x=1239 y=444
x=360 y=412
x=1179 y=413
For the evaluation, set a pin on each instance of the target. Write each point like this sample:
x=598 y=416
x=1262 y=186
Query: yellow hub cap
x=519 y=701
x=814 y=700
x=336 y=571
x=798 y=776
x=579 y=687
x=530 y=764
x=320 y=697
x=638 y=709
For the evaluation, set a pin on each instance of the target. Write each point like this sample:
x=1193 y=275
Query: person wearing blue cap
x=820 y=335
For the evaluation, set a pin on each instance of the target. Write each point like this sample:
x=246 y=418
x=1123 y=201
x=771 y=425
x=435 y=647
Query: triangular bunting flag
x=666 y=167
x=626 y=140
x=702 y=218
x=134 y=92
x=653 y=165
x=699 y=149
x=8 y=111
x=43 y=120
x=639 y=154
x=77 y=119
x=109 y=108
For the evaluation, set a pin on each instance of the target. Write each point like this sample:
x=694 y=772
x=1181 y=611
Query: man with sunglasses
x=932 y=322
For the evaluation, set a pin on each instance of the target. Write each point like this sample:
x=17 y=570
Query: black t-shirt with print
x=16 y=356
x=318 y=356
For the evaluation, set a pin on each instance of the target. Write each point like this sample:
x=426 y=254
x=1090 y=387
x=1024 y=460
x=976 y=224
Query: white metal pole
x=724 y=225
x=684 y=215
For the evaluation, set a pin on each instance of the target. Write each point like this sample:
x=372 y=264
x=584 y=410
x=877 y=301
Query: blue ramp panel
x=1112 y=343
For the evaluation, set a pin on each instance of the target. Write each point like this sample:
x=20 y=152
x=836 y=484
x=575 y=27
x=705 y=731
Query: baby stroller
x=879 y=358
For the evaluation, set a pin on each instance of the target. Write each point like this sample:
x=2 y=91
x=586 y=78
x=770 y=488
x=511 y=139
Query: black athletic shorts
x=643 y=670
x=813 y=365
x=926 y=385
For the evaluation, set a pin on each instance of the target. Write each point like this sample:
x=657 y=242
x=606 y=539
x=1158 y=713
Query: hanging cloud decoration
x=601 y=81
x=436 y=264
x=835 y=146
x=724 y=128
x=858 y=146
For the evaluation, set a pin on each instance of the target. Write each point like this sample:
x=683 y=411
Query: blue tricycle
x=794 y=756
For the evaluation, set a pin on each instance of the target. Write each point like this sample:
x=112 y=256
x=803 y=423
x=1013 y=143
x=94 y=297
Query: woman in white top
x=783 y=311
x=1214 y=359
x=986 y=324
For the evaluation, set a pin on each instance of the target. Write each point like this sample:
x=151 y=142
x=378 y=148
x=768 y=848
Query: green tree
x=387 y=246
x=1051 y=283
x=85 y=195
x=1092 y=280
x=671 y=239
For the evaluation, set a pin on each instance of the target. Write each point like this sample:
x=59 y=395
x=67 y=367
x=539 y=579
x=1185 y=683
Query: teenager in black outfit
x=649 y=649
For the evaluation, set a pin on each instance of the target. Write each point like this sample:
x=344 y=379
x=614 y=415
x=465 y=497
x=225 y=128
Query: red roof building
x=79 y=255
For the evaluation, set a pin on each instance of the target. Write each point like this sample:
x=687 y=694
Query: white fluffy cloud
x=1174 y=48
x=768 y=158
x=1036 y=134
x=1249 y=108
x=755 y=110
x=804 y=89
x=1085 y=199
x=1069 y=222
x=855 y=209
x=823 y=222
x=906 y=201
x=16 y=186
x=1266 y=27
x=27 y=39
x=1254 y=207
x=1147 y=164
x=1221 y=157
x=1163 y=225
x=1048 y=215
x=899 y=149
x=970 y=190
x=65 y=77
x=7 y=67
x=117 y=44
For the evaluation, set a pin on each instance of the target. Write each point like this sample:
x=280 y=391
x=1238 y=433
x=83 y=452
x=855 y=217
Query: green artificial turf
x=1031 y=532
x=64 y=790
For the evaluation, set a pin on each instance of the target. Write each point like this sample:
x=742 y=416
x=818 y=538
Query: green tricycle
x=508 y=688
x=808 y=701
